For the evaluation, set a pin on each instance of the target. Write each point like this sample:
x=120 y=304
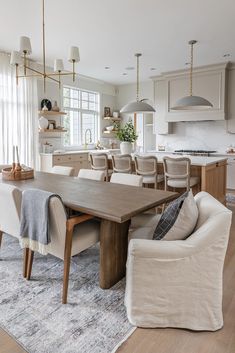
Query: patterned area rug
x=93 y=321
x=230 y=198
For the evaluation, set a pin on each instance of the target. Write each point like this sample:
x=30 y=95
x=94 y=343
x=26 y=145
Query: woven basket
x=8 y=174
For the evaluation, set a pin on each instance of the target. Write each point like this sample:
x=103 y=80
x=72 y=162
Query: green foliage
x=127 y=133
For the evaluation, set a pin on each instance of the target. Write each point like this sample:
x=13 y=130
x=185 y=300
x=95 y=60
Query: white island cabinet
x=77 y=160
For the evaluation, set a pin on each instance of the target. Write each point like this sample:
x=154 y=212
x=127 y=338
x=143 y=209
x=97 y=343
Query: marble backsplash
x=208 y=135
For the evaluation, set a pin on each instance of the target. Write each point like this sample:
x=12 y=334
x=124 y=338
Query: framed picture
x=107 y=112
x=53 y=122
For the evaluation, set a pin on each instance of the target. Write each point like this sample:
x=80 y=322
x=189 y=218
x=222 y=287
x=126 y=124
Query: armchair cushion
x=178 y=220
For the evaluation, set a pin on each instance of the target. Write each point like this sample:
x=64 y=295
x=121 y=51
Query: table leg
x=113 y=252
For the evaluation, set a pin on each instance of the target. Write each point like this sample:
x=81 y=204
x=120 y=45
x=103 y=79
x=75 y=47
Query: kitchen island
x=212 y=172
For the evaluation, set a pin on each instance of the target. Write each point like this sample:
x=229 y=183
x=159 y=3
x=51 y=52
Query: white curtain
x=18 y=116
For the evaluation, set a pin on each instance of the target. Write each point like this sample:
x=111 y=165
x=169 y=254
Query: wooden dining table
x=113 y=204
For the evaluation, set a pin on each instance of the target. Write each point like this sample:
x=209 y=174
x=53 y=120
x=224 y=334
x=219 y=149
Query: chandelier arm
x=61 y=74
x=28 y=76
x=31 y=69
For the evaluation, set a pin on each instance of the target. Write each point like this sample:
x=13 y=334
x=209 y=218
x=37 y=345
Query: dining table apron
x=114 y=204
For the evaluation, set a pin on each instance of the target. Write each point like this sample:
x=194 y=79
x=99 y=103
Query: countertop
x=195 y=160
x=80 y=151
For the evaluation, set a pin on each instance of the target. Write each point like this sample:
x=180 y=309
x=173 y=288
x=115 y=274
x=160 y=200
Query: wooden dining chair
x=177 y=173
x=63 y=170
x=66 y=239
x=98 y=175
x=147 y=167
x=99 y=161
x=122 y=163
x=10 y=208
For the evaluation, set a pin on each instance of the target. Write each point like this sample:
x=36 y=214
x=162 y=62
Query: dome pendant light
x=192 y=102
x=139 y=106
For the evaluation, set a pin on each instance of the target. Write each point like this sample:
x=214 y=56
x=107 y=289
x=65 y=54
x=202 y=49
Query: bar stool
x=99 y=161
x=147 y=167
x=122 y=163
x=177 y=173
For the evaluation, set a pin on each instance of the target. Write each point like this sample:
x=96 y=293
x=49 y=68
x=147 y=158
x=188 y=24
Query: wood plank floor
x=174 y=340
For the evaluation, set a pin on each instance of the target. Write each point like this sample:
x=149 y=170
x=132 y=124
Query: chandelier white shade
x=26 y=49
x=25 y=45
x=58 y=65
x=192 y=102
x=16 y=58
x=74 y=55
x=138 y=106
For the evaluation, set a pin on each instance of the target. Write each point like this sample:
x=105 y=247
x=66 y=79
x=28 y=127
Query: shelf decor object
x=26 y=50
x=139 y=106
x=192 y=102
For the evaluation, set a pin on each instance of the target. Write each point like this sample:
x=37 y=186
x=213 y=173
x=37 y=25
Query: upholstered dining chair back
x=146 y=165
x=91 y=174
x=63 y=170
x=86 y=234
x=122 y=163
x=177 y=168
x=10 y=206
x=127 y=179
x=99 y=161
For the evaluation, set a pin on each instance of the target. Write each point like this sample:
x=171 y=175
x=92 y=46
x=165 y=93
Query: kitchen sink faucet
x=90 y=139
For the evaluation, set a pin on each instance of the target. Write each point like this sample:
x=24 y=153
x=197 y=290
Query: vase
x=126 y=147
x=55 y=107
x=43 y=123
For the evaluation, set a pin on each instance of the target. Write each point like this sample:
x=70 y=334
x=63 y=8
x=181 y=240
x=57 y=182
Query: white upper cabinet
x=160 y=125
x=208 y=82
x=231 y=100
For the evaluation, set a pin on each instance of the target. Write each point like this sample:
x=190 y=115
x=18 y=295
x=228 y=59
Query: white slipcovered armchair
x=179 y=283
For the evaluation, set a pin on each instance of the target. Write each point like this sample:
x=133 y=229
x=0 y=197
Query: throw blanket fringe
x=35 y=246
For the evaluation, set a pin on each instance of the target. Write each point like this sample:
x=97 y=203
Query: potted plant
x=127 y=135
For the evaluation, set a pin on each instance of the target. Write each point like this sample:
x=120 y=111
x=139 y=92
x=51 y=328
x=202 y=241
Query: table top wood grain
x=114 y=202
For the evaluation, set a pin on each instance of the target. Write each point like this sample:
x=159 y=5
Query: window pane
x=84 y=105
x=66 y=92
x=66 y=102
x=84 y=96
x=77 y=122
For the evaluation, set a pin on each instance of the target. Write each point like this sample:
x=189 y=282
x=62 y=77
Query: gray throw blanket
x=34 y=223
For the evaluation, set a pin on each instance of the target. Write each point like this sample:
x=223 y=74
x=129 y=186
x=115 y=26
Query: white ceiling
x=109 y=32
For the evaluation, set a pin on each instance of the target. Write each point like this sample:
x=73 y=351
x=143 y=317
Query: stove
x=206 y=153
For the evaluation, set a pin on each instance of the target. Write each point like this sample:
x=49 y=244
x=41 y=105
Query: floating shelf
x=50 y=113
x=49 y=131
x=112 y=118
x=109 y=132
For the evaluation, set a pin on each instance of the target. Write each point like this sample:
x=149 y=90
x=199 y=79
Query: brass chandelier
x=25 y=50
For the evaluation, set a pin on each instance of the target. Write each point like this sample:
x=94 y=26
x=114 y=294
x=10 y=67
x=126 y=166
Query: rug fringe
x=124 y=339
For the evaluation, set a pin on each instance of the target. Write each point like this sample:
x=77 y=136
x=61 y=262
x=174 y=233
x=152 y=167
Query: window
x=82 y=108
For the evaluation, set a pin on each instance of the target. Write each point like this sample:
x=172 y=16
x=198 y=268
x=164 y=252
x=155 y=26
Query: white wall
x=193 y=135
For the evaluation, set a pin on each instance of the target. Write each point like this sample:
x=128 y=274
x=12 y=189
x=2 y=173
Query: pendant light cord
x=137 y=80
x=191 y=72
